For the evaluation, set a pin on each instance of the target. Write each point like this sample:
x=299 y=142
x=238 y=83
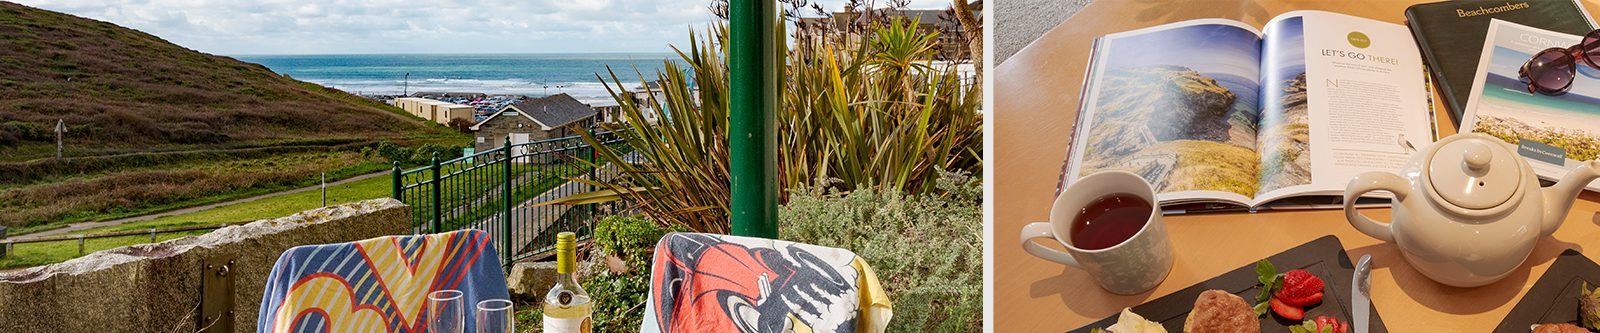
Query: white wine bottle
x=567 y=308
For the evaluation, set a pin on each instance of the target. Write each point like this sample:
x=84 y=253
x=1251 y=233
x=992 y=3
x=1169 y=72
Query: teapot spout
x=1558 y=198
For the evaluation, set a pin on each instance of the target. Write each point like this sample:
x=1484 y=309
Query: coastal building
x=952 y=45
x=607 y=112
x=434 y=110
x=535 y=119
x=641 y=95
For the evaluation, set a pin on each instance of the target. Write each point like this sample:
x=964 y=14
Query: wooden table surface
x=1036 y=98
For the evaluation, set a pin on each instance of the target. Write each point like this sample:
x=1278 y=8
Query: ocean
x=522 y=74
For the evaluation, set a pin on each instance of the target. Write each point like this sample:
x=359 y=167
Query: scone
x=1558 y=328
x=1217 y=311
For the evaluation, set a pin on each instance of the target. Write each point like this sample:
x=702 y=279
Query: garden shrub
x=631 y=238
x=618 y=298
x=926 y=248
x=934 y=288
x=419 y=155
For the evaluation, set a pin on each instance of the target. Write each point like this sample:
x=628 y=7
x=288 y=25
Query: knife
x=1361 y=290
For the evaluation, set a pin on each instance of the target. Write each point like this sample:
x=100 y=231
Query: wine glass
x=445 y=312
x=494 y=316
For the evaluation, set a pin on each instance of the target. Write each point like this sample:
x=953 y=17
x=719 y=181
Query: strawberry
x=1331 y=324
x=1298 y=285
x=1313 y=299
x=1287 y=311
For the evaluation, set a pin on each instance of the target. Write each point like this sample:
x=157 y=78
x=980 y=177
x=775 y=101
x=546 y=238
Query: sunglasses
x=1551 y=71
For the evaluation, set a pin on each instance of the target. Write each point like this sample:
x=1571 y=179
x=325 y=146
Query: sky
x=234 y=27
x=1206 y=48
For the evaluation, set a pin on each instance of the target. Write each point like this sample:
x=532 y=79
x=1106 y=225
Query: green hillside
x=153 y=126
x=120 y=90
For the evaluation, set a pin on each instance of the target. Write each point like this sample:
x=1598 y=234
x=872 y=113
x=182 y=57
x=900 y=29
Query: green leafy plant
x=675 y=169
x=631 y=238
x=618 y=298
x=879 y=115
x=926 y=248
x=418 y=155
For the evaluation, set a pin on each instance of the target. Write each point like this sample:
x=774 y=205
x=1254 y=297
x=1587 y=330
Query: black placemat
x=1323 y=257
x=1554 y=298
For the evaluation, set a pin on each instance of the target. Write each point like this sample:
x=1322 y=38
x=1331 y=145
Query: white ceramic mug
x=1134 y=266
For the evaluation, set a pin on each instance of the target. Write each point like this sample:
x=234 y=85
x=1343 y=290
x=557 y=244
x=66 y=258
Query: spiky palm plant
x=676 y=167
x=878 y=113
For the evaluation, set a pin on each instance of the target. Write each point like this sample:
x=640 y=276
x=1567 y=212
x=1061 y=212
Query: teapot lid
x=1474 y=173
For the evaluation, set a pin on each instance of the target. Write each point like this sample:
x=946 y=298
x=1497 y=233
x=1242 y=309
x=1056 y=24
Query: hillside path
x=74 y=227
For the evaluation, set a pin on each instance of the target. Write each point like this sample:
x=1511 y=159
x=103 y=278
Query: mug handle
x=1044 y=230
x=1368 y=182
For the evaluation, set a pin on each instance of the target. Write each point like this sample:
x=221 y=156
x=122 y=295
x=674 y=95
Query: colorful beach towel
x=379 y=284
x=720 y=283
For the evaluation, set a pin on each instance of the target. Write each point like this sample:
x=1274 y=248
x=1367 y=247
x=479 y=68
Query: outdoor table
x=1036 y=94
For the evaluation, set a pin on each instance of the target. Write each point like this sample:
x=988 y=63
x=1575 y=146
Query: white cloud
x=232 y=27
x=390 y=26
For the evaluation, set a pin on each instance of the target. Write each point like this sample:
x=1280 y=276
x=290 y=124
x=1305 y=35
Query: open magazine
x=1552 y=132
x=1213 y=111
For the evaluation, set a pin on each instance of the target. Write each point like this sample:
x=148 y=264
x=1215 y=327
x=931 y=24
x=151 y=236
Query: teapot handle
x=1368 y=182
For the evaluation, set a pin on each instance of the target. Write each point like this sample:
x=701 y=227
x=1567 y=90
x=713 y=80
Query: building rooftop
x=552 y=111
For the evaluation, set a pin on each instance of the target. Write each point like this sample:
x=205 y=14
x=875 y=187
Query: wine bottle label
x=566 y=325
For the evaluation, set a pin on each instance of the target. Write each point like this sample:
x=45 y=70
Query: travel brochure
x=1214 y=111
x=1450 y=33
x=1553 y=133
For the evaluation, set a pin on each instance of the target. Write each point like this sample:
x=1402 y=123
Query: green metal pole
x=438 y=222
x=505 y=209
x=754 y=69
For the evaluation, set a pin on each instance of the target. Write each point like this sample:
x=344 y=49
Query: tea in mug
x=1109 y=220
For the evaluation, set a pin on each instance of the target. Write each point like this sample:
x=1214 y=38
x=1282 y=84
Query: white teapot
x=1468 y=210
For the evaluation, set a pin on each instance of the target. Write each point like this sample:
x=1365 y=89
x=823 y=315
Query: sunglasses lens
x=1590 y=49
x=1550 y=70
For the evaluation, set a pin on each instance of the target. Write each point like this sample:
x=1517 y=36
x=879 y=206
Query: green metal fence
x=497 y=191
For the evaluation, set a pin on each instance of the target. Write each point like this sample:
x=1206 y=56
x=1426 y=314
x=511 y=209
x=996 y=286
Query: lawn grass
x=34 y=254
x=268 y=208
x=148 y=190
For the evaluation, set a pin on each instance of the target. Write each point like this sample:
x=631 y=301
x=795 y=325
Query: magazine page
x=1285 y=129
x=1361 y=90
x=1177 y=105
x=1551 y=132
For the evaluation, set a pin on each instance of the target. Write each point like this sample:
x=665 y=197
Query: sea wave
x=583 y=91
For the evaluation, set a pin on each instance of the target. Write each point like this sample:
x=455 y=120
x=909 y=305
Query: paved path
x=75 y=227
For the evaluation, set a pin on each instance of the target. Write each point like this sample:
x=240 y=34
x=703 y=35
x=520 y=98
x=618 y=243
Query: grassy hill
x=120 y=90
x=154 y=126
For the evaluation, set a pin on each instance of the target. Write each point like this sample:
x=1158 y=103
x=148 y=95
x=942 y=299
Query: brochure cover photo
x=1551 y=131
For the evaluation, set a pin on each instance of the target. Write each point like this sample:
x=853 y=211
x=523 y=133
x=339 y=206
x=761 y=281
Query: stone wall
x=156 y=287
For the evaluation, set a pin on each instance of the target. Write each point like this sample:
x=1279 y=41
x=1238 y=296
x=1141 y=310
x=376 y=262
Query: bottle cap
x=566 y=252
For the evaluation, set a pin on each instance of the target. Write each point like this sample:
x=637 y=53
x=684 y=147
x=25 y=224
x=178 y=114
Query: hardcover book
x=1218 y=114
x=1451 y=35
